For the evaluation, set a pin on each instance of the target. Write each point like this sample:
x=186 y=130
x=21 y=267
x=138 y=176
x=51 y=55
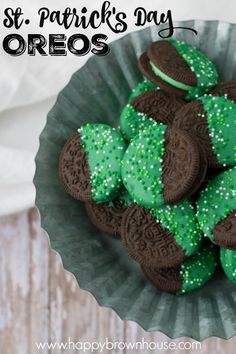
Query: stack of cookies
x=167 y=176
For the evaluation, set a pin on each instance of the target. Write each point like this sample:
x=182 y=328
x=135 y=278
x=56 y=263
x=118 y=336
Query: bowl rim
x=226 y=334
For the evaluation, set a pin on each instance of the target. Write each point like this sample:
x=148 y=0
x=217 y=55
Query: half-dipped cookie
x=179 y=68
x=192 y=274
x=211 y=119
x=161 y=237
x=228 y=262
x=155 y=105
x=107 y=217
x=226 y=89
x=162 y=166
x=90 y=163
x=216 y=209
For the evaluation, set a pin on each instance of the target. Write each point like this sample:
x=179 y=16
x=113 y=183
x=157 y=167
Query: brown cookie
x=168 y=60
x=179 y=165
x=167 y=279
x=184 y=166
x=146 y=240
x=107 y=217
x=192 y=118
x=158 y=105
x=191 y=274
x=153 y=105
x=146 y=69
x=225 y=232
x=225 y=88
x=74 y=170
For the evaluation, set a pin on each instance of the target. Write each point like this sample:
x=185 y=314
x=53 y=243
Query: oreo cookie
x=74 y=169
x=165 y=279
x=192 y=274
x=162 y=237
x=228 y=262
x=225 y=231
x=145 y=68
x=226 y=89
x=179 y=68
x=211 y=119
x=107 y=217
x=162 y=166
x=152 y=105
x=216 y=209
x=90 y=163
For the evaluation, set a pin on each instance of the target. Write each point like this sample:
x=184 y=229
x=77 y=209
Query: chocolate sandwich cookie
x=161 y=237
x=142 y=87
x=90 y=163
x=152 y=105
x=192 y=274
x=179 y=68
x=225 y=231
x=216 y=209
x=107 y=217
x=226 y=89
x=162 y=166
x=212 y=122
x=228 y=262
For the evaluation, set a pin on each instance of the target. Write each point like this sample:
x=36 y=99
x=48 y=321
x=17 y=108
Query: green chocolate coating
x=132 y=121
x=198 y=269
x=142 y=166
x=228 y=262
x=221 y=120
x=217 y=201
x=169 y=80
x=125 y=198
x=181 y=221
x=104 y=148
x=142 y=87
x=201 y=65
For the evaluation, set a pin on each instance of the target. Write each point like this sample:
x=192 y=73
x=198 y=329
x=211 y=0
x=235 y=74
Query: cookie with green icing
x=155 y=105
x=211 y=119
x=228 y=262
x=162 y=237
x=192 y=274
x=162 y=166
x=216 y=209
x=90 y=163
x=179 y=68
x=107 y=217
x=142 y=87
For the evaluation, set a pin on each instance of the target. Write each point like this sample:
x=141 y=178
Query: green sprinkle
x=132 y=121
x=198 y=269
x=221 y=118
x=99 y=140
x=142 y=87
x=142 y=166
x=181 y=221
x=201 y=65
x=217 y=201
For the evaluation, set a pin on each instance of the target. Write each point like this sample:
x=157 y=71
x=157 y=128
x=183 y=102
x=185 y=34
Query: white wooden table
x=40 y=301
